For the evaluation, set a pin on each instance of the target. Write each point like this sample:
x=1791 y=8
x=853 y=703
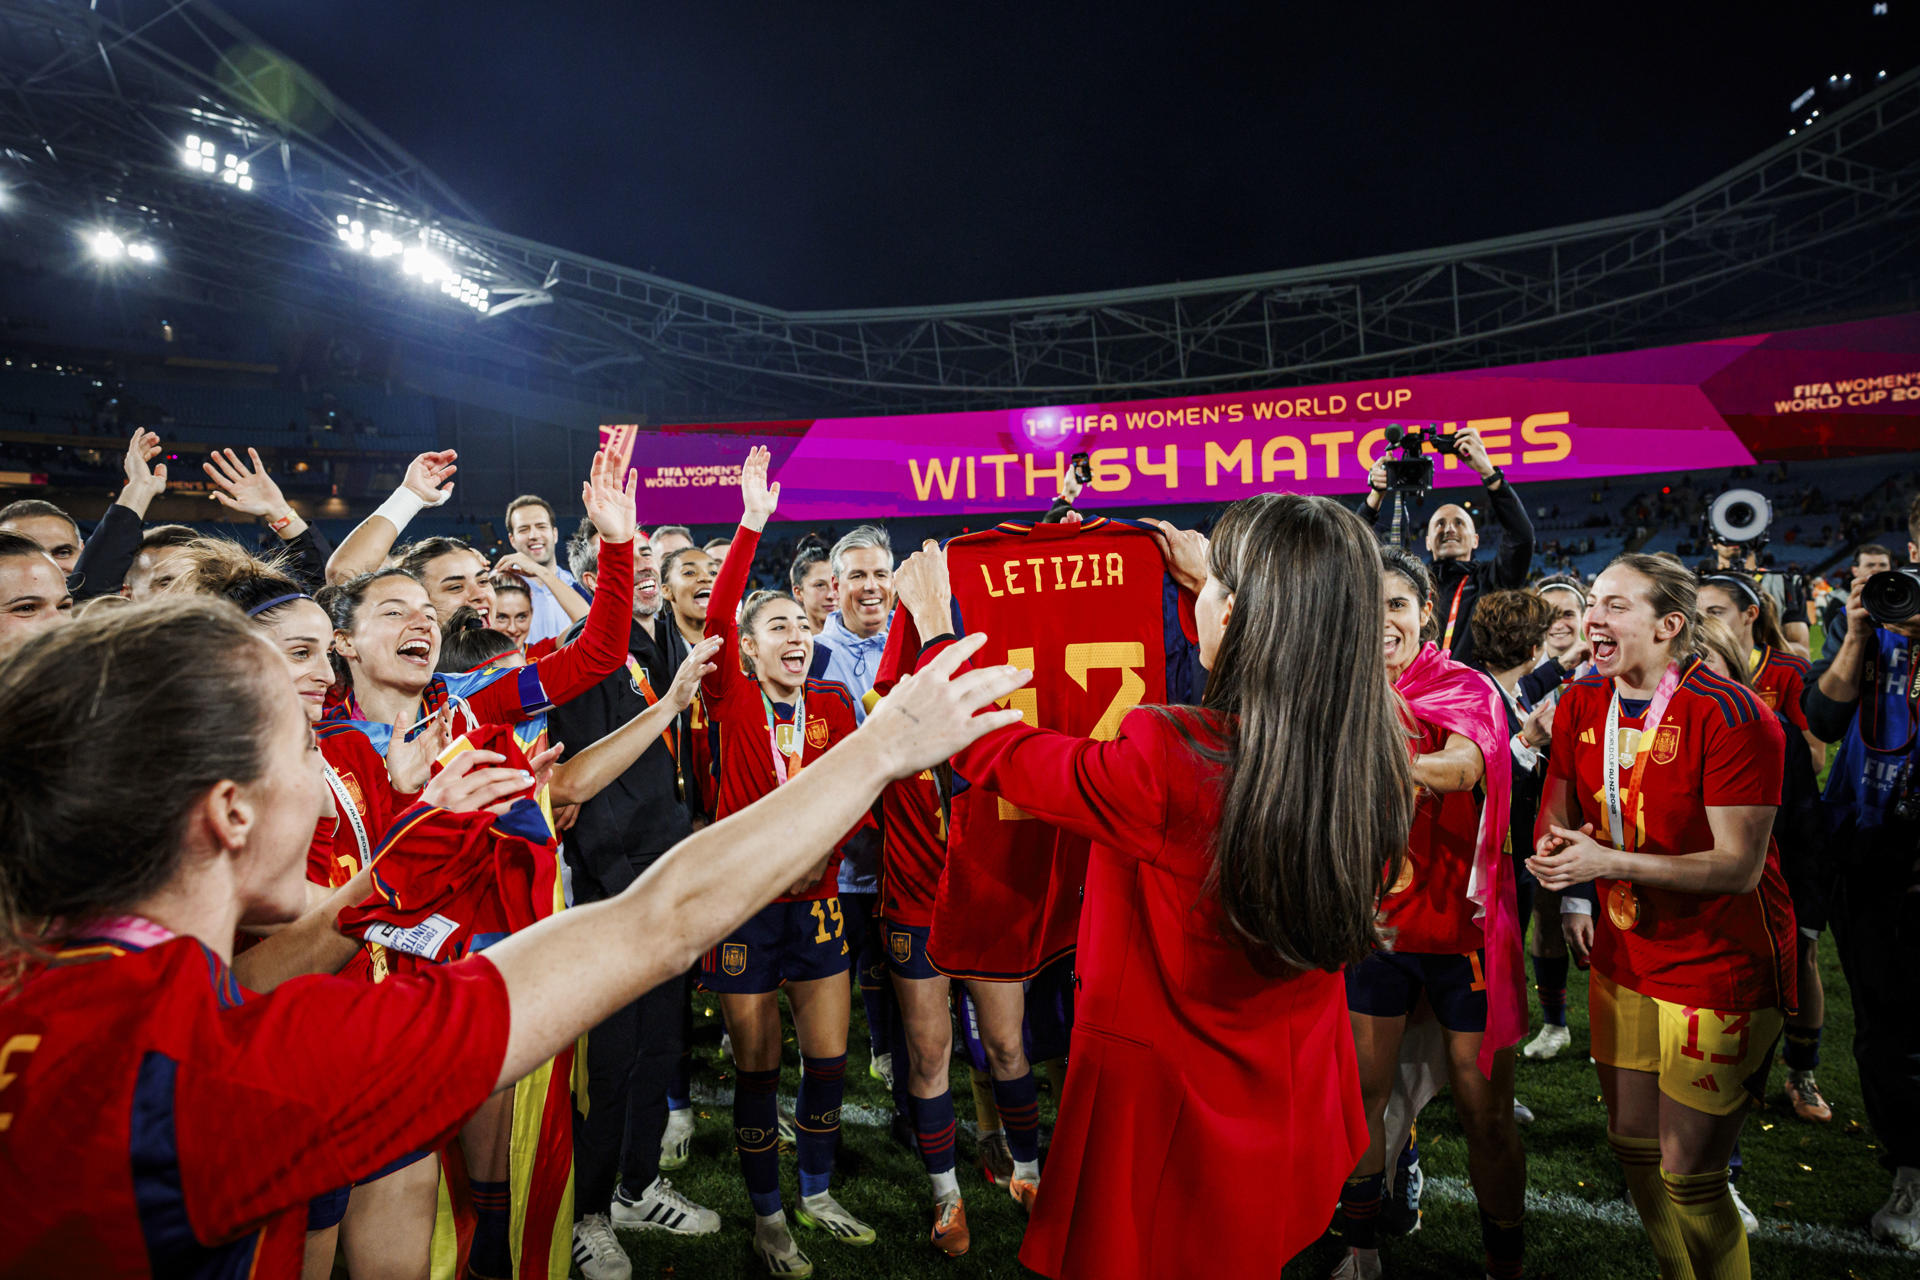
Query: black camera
x=1412 y=472
x=1893 y=596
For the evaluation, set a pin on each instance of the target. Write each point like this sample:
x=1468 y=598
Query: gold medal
x=1623 y=906
x=1404 y=881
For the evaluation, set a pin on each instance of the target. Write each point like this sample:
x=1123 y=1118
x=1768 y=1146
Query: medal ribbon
x=1622 y=832
x=343 y=801
x=1453 y=616
x=781 y=760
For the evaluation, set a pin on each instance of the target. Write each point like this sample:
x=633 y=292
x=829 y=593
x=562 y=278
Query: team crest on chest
x=733 y=958
x=817 y=733
x=1666 y=743
x=1771 y=697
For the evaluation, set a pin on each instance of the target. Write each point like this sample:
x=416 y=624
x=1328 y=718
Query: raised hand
x=244 y=486
x=145 y=482
x=430 y=476
x=612 y=490
x=1185 y=551
x=757 y=497
x=923 y=589
x=410 y=764
x=1537 y=729
x=1470 y=450
x=932 y=714
x=697 y=664
x=520 y=566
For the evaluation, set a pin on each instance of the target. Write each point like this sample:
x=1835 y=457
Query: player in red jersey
x=385 y=1223
x=775 y=723
x=1779 y=677
x=157 y=1118
x=1212 y=1079
x=1456 y=940
x=1086 y=605
x=1661 y=791
x=913 y=822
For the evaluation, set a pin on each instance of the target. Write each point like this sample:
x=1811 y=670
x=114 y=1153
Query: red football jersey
x=1715 y=746
x=1085 y=607
x=1428 y=907
x=913 y=824
x=736 y=704
x=155 y=1119
x=1779 y=678
x=334 y=856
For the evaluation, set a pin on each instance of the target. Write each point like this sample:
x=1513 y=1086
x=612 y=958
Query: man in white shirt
x=557 y=601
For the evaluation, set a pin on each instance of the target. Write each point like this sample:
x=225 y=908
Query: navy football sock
x=1550 y=981
x=1019 y=1103
x=1360 y=1201
x=934 y=1124
x=1803 y=1048
x=823 y=1082
x=491 y=1257
x=756 y=1135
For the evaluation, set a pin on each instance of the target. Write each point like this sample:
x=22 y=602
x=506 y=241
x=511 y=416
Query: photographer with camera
x=1458 y=579
x=1866 y=697
x=1736 y=527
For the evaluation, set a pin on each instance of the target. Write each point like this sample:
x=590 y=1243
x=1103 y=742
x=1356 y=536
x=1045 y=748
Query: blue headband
x=276 y=602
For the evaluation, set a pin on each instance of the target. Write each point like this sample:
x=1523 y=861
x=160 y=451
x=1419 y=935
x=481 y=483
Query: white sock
x=770 y=1223
x=946 y=1186
x=1028 y=1170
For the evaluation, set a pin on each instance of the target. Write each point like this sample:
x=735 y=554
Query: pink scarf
x=1461 y=700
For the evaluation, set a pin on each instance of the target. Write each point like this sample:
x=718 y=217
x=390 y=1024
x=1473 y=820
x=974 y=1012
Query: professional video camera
x=1412 y=472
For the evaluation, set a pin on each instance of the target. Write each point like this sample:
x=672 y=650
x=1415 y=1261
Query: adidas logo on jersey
x=1708 y=1083
x=1586 y=737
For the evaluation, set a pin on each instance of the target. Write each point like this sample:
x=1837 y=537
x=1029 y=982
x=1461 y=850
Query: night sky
x=834 y=155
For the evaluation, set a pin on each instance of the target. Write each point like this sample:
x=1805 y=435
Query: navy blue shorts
x=326 y=1210
x=1387 y=983
x=782 y=942
x=907 y=950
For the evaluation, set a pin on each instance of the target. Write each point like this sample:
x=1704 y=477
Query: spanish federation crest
x=817 y=733
x=902 y=946
x=1666 y=743
x=733 y=958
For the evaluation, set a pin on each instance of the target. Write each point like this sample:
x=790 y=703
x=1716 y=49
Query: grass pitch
x=1813 y=1186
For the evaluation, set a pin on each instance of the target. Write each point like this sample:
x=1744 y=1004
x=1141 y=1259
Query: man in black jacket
x=631 y=1057
x=1459 y=579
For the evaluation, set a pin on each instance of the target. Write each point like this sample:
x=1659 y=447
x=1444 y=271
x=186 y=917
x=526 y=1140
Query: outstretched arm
x=428 y=483
x=570 y=971
x=758 y=500
x=583 y=777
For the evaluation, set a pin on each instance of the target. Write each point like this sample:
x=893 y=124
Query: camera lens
x=1892 y=596
x=1740 y=514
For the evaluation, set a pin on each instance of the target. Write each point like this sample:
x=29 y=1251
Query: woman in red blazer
x=1239 y=850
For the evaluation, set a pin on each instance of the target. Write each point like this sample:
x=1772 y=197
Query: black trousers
x=1875 y=916
x=631 y=1059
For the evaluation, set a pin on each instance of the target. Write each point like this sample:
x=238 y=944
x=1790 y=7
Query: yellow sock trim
x=1640 y=1162
x=1710 y=1224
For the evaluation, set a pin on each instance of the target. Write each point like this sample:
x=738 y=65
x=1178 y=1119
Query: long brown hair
x=1319 y=797
x=111 y=731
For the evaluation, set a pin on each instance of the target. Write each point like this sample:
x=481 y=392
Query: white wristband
x=405 y=504
x=1572 y=906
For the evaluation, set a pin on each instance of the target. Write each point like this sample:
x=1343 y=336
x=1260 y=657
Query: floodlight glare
x=229 y=176
x=246 y=183
x=206 y=148
x=193 y=143
x=142 y=252
x=206 y=164
x=106 y=246
x=244 y=166
x=341 y=219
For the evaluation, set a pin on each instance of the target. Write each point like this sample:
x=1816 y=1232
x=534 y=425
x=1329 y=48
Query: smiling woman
x=33 y=591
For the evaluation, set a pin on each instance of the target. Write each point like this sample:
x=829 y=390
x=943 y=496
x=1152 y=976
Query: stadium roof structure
x=97 y=103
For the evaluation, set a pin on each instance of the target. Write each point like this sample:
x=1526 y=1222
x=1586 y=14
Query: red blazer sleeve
x=1113 y=792
x=723 y=614
x=571 y=670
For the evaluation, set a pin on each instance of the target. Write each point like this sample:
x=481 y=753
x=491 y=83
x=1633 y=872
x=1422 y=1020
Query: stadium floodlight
x=142 y=252
x=105 y=245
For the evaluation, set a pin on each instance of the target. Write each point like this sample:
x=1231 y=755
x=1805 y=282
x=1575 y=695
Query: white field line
x=1852 y=1242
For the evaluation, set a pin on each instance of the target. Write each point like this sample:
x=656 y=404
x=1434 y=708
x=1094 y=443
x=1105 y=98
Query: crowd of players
x=1304 y=901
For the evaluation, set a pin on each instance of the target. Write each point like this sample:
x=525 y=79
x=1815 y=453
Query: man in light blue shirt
x=557 y=600
x=852 y=639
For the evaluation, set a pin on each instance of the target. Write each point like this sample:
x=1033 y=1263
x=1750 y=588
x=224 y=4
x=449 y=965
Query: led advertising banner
x=1833 y=391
